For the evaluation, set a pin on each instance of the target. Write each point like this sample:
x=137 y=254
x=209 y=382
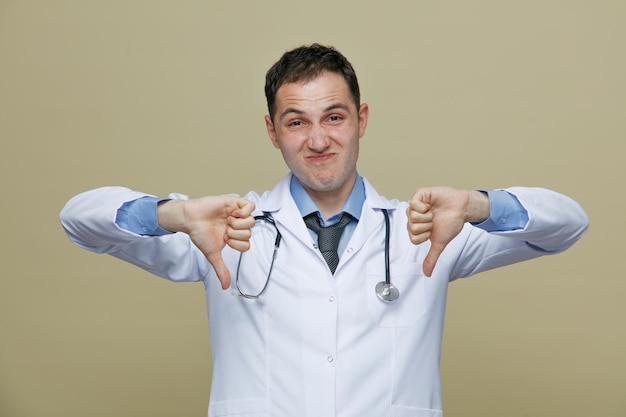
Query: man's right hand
x=211 y=223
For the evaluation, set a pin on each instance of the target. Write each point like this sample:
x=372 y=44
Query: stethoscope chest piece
x=387 y=292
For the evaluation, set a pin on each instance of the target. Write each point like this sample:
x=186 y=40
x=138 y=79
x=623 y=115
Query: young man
x=314 y=324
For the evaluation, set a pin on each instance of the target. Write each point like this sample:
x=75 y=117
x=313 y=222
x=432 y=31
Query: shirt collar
x=306 y=205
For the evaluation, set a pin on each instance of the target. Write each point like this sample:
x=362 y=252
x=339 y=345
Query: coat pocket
x=409 y=307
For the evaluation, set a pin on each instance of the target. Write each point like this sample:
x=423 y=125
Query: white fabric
x=320 y=345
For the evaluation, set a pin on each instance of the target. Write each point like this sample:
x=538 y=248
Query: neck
x=331 y=202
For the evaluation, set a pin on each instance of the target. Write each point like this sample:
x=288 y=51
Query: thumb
x=432 y=257
x=223 y=274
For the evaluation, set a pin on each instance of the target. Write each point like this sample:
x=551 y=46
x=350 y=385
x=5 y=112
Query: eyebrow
x=296 y=111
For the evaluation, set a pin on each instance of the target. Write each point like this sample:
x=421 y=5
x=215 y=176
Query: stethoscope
x=385 y=290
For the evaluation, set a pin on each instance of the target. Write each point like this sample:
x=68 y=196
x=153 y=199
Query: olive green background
x=165 y=96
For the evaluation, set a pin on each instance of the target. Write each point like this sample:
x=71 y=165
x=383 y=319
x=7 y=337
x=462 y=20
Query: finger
x=238 y=234
x=239 y=245
x=420 y=227
x=421 y=200
x=223 y=274
x=419 y=206
x=419 y=233
x=431 y=258
x=244 y=208
x=416 y=239
x=238 y=223
x=415 y=216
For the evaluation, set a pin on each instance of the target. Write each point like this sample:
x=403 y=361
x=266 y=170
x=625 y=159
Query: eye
x=335 y=118
x=295 y=123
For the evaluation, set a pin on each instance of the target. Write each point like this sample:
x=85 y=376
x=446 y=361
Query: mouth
x=320 y=158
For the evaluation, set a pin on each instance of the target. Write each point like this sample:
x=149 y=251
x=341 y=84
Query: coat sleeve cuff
x=506 y=213
x=140 y=217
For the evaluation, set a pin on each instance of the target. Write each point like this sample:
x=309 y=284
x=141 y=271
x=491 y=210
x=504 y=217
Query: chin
x=324 y=185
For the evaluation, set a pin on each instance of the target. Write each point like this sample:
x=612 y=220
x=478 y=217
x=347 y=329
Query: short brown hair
x=305 y=63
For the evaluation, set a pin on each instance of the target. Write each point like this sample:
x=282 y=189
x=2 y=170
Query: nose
x=318 y=139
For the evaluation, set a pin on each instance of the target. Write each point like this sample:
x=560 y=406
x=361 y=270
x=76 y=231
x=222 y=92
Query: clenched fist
x=438 y=214
x=211 y=223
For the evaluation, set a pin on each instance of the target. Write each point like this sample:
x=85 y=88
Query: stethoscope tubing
x=385 y=290
x=387 y=239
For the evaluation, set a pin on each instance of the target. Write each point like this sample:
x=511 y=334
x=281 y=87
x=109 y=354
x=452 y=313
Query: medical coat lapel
x=280 y=205
x=371 y=220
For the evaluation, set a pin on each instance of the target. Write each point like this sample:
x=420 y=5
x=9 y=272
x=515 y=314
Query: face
x=317 y=127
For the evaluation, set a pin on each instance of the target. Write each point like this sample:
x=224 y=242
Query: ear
x=271 y=131
x=364 y=113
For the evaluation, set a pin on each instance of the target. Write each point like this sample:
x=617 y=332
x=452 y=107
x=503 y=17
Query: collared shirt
x=353 y=206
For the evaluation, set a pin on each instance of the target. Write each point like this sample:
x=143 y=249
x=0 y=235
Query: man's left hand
x=438 y=214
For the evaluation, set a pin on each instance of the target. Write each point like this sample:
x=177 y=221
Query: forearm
x=89 y=218
x=555 y=221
